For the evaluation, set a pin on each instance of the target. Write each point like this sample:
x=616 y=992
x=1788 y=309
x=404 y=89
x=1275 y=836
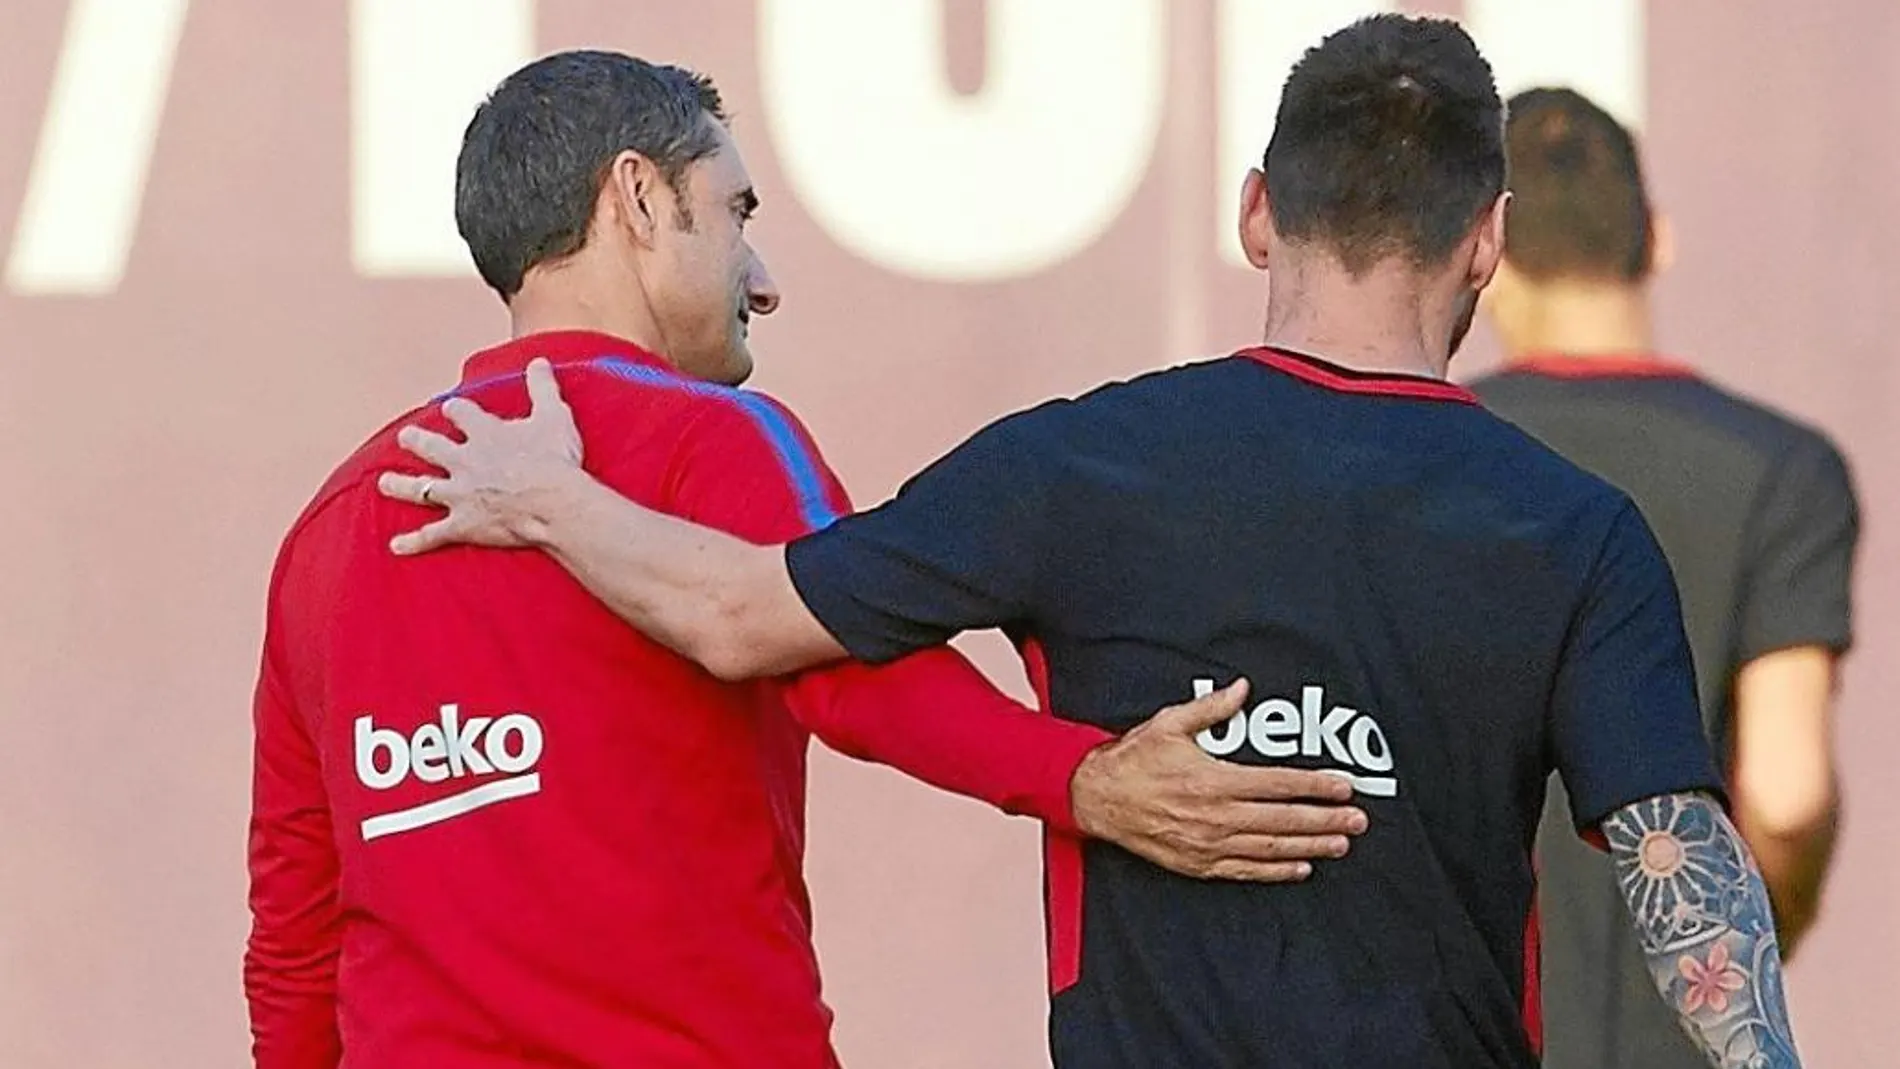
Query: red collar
x=561 y=347
x=1351 y=380
x=1607 y=366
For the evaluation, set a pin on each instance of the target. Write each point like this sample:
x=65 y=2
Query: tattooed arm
x=1702 y=912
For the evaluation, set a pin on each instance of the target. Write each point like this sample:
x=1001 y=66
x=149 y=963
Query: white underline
x=1377 y=786
x=453 y=806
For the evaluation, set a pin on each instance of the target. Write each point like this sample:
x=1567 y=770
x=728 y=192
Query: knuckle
x=1203 y=840
x=1198 y=789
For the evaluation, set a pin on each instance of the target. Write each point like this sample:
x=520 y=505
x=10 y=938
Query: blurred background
x=229 y=256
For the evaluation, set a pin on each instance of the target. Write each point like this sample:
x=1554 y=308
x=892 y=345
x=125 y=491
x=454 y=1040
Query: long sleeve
x=934 y=717
x=290 y=960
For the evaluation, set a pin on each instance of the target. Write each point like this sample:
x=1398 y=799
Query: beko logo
x=1279 y=728
x=480 y=748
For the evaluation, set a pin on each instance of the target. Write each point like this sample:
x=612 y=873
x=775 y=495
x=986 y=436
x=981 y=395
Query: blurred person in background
x=1755 y=512
x=1436 y=607
x=495 y=827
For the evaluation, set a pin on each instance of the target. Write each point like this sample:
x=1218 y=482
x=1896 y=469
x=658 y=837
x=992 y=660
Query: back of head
x=1578 y=209
x=1388 y=143
x=536 y=153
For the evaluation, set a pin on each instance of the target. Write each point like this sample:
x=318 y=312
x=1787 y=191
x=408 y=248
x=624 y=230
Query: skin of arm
x=709 y=596
x=1707 y=929
x=1787 y=803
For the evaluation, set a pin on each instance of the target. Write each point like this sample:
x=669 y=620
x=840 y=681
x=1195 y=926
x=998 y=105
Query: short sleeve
x=1799 y=570
x=745 y=465
x=1625 y=723
x=960 y=547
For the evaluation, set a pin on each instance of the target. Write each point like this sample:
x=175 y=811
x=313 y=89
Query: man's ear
x=1662 y=244
x=1256 y=219
x=632 y=187
x=1489 y=252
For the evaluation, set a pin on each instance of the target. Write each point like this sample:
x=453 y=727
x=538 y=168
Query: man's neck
x=1373 y=323
x=567 y=302
x=1582 y=319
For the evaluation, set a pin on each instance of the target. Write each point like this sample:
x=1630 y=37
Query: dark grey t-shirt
x=1757 y=517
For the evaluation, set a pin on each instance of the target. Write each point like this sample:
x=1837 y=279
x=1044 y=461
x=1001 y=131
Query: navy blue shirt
x=1424 y=598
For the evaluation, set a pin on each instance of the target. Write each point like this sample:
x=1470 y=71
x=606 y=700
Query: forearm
x=293 y=1022
x=711 y=597
x=1707 y=928
x=935 y=718
x=291 y=956
x=1787 y=799
x=1794 y=864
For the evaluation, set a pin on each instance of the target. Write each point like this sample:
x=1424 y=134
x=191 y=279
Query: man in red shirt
x=492 y=825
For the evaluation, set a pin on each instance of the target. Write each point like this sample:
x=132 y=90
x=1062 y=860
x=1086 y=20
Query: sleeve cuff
x=847 y=621
x=1834 y=638
x=1590 y=828
x=1053 y=800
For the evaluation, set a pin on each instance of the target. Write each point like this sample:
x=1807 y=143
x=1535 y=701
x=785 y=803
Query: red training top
x=494 y=826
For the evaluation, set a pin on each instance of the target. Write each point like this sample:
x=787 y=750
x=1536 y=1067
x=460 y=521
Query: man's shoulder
x=1160 y=397
x=619 y=406
x=1164 y=382
x=640 y=426
x=1690 y=401
x=1777 y=432
x=1049 y=435
x=1160 y=391
x=727 y=411
x=359 y=470
x=1536 y=467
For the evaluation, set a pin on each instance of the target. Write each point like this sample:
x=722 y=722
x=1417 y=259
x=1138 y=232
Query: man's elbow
x=731 y=662
x=1790 y=817
x=726 y=644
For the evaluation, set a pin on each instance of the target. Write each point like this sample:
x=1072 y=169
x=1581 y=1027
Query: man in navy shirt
x=1425 y=600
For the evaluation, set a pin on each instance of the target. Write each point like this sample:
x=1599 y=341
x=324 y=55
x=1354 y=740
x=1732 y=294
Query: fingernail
x=1338 y=847
x=1303 y=870
x=1357 y=822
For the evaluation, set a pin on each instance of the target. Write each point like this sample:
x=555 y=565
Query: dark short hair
x=536 y=153
x=1578 y=208
x=1389 y=142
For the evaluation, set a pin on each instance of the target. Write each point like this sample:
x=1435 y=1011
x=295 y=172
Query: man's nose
x=762 y=295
